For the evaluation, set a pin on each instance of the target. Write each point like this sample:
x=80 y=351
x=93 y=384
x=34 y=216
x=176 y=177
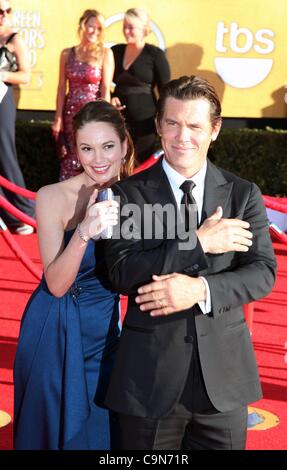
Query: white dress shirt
x=175 y=180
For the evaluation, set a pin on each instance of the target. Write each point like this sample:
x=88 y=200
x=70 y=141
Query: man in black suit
x=185 y=369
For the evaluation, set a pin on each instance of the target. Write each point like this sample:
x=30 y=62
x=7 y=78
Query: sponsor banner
x=239 y=46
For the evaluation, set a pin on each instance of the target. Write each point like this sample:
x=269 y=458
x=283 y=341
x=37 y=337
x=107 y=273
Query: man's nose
x=184 y=133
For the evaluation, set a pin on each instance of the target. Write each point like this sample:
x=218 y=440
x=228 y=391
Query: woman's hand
x=115 y=101
x=57 y=127
x=98 y=216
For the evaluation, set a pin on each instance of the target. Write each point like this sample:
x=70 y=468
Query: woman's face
x=134 y=30
x=100 y=152
x=5 y=10
x=92 y=30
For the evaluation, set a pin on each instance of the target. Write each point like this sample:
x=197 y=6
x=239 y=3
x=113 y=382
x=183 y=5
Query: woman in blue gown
x=70 y=328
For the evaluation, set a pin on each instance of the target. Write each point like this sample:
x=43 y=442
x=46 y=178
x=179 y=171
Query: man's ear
x=158 y=127
x=216 y=129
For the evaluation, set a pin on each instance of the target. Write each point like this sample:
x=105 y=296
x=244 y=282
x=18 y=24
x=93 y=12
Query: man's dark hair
x=190 y=88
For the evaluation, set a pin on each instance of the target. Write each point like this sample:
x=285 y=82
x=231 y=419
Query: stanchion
x=7 y=206
x=17 y=250
x=277 y=233
x=149 y=162
x=272 y=203
x=16 y=189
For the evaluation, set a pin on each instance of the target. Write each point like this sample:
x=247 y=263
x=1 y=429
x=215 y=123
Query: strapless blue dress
x=63 y=362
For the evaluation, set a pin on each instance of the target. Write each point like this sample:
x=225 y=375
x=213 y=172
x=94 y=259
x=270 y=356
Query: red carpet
x=16 y=286
x=270 y=342
x=269 y=337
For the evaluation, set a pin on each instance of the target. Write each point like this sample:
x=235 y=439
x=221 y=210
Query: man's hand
x=170 y=293
x=218 y=235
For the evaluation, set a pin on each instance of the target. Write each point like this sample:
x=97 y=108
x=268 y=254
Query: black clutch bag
x=8 y=61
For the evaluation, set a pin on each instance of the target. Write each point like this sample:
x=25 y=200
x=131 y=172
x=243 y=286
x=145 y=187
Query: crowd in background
x=135 y=71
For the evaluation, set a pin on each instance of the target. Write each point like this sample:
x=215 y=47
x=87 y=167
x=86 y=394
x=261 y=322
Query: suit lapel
x=159 y=191
x=217 y=192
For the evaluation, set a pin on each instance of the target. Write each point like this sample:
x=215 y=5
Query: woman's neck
x=4 y=31
x=87 y=47
x=136 y=45
x=90 y=53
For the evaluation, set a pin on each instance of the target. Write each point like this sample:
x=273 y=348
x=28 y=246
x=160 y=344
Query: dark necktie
x=190 y=206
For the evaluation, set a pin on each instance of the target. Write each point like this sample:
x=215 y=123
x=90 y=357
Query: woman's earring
x=123 y=160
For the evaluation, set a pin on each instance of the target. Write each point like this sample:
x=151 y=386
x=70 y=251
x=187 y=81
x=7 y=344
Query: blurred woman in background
x=86 y=72
x=14 y=70
x=140 y=68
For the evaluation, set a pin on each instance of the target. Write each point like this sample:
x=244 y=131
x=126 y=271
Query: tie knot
x=187 y=186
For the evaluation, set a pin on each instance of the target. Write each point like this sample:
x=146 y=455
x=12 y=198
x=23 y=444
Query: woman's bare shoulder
x=12 y=36
x=58 y=192
x=57 y=201
x=65 y=52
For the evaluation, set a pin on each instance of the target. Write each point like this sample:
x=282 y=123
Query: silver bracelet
x=3 y=75
x=82 y=236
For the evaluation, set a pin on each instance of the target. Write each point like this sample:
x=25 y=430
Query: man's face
x=186 y=133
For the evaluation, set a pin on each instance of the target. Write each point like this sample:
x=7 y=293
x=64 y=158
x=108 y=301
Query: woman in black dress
x=139 y=69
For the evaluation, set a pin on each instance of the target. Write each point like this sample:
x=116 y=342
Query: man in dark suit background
x=185 y=370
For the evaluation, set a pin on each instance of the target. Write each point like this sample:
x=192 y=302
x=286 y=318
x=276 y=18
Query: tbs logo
x=243 y=72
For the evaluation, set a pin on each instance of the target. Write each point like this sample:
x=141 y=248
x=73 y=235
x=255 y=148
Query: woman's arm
x=23 y=74
x=57 y=125
x=61 y=264
x=161 y=69
x=108 y=73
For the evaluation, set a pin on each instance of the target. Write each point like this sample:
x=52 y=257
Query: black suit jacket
x=153 y=359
